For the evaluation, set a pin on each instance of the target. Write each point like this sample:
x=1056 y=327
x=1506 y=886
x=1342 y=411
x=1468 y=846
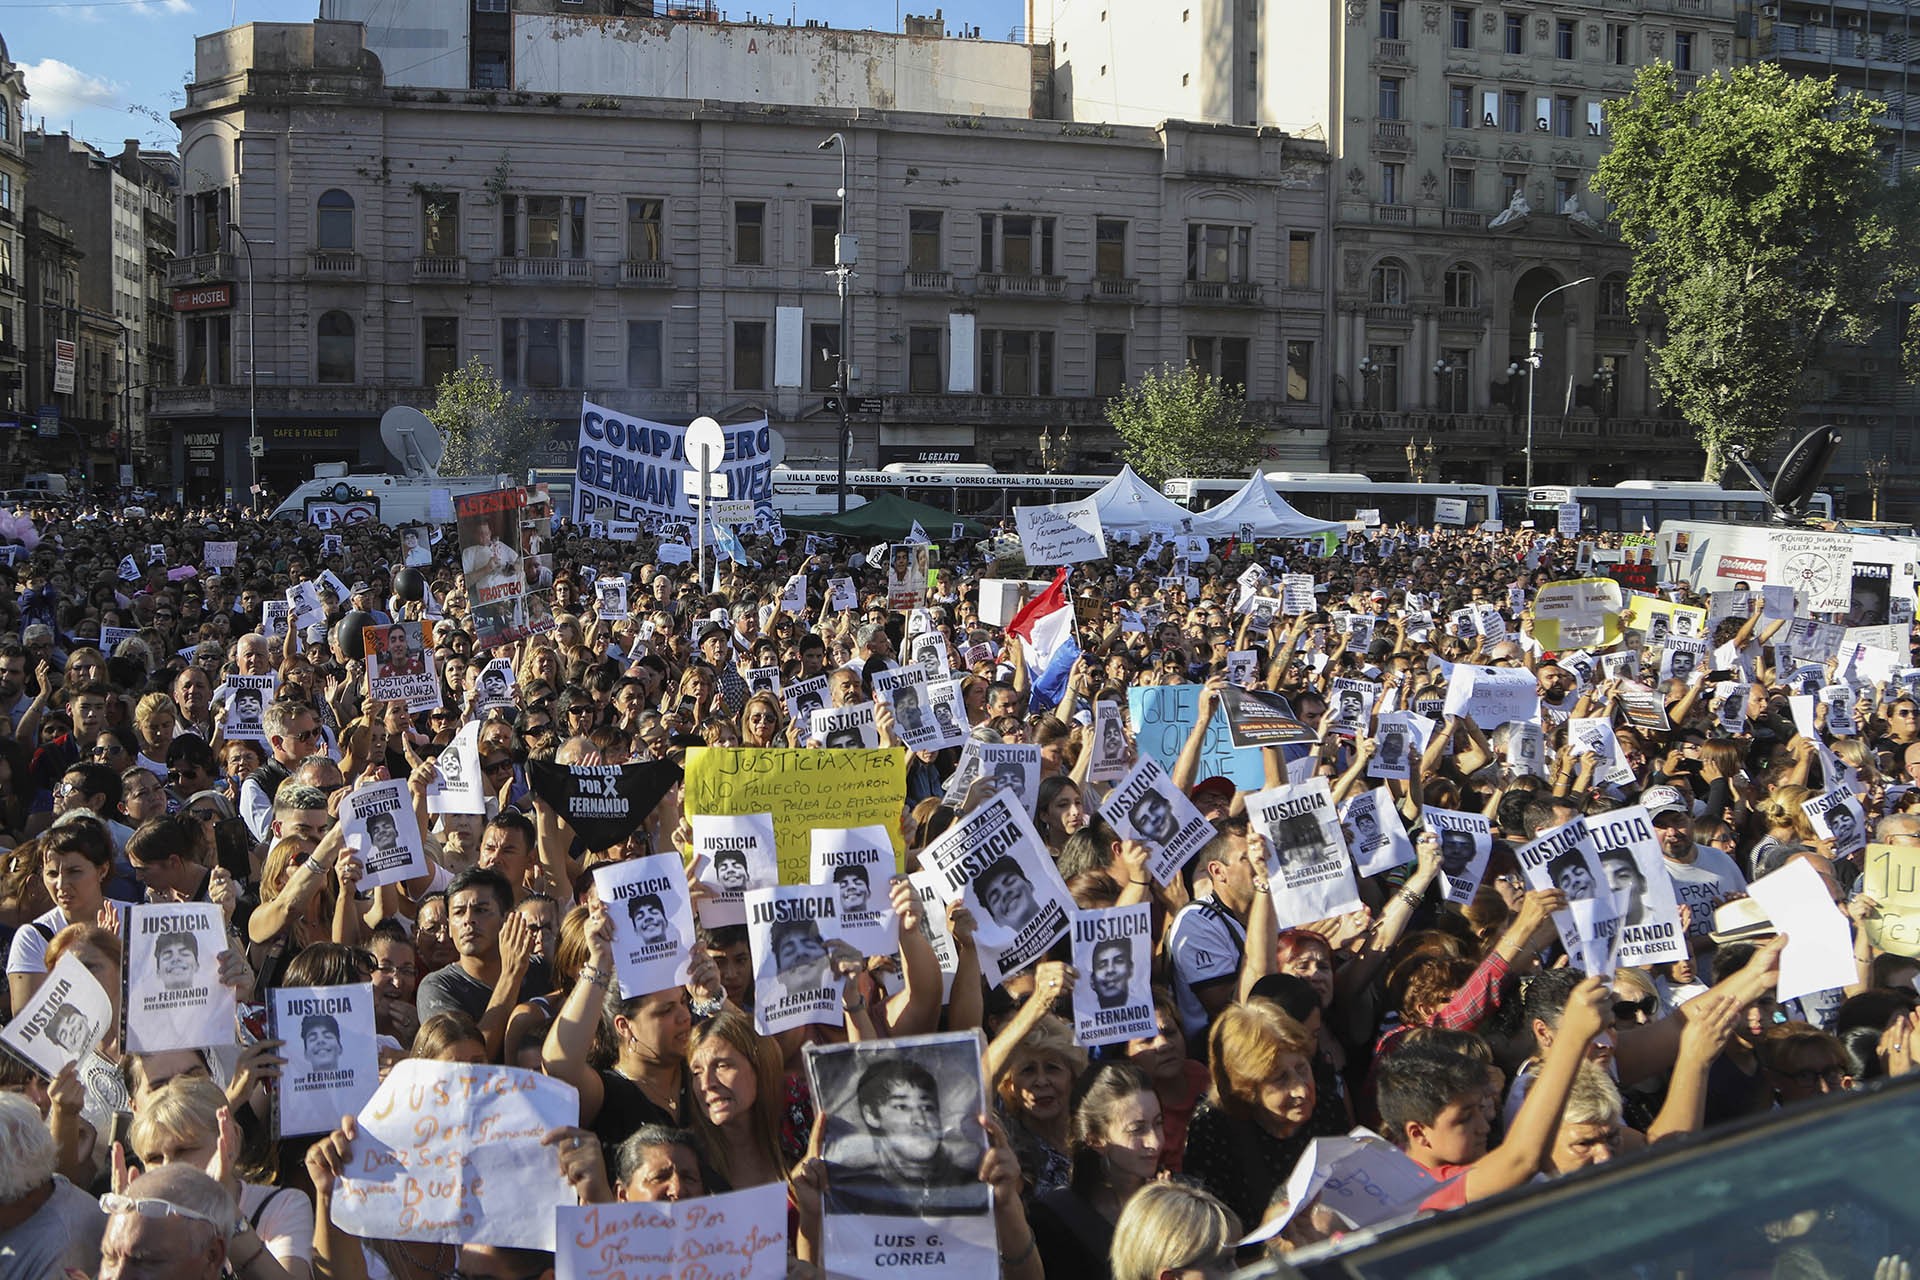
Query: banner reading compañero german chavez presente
x=628 y=468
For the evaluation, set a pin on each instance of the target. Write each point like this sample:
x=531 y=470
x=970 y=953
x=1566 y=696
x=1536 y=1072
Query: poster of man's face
x=730 y=870
x=907 y=709
x=1112 y=971
x=384 y=832
x=1682 y=666
x=1570 y=875
x=1628 y=885
x=855 y=889
x=493 y=684
x=1393 y=746
x=1153 y=818
x=1841 y=822
x=246 y=705
x=1352 y=706
x=320 y=1039
x=176 y=958
x=1007 y=894
x=900 y=1136
x=649 y=917
x=1296 y=839
x=844 y=738
x=1457 y=849
x=799 y=954
x=71 y=1030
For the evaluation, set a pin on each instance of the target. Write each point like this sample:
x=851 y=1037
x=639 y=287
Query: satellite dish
x=1803 y=468
x=413 y=440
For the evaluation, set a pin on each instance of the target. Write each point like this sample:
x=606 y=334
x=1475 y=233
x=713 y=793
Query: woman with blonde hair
x=155 y=720
x=762 y=721
x=303 y=899
x=1172 y=1229
x=738 y=1094
x=450 y=1037
x=1038 y=1065
x=186 y=1121
x=1246 y=1137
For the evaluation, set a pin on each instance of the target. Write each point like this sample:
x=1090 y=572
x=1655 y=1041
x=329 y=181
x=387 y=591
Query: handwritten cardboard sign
x=803 y=789
x=741 y=1234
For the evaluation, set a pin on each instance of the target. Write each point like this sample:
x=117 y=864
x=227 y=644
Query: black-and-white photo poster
x=333 y=1062
x=1113 y=964
x=174 y=998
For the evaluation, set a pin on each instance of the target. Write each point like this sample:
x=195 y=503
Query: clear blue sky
x=114 y=69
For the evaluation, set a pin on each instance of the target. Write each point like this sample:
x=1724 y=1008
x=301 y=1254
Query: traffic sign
x=860 y=404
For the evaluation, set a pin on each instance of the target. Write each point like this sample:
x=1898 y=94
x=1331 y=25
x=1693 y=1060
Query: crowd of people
x=1444 y=1012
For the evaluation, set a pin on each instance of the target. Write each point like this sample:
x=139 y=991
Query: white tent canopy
x=1128 y=504
x=1259 y=507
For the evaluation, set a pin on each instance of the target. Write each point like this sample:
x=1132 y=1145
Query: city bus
x=1338 y=496
x=970 y=490
x=1634 y=505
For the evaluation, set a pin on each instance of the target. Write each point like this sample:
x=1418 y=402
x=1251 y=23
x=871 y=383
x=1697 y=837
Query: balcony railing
x=1465 y=220
x=1393 y=215
x=1649 y=433
x=443 y=268
x=1106 y=289
x=544 y=270
x=196 y=267
x=1798 y=42
x=1234 y=293
x=652 y=274
x=1463 y=317
x=1027 y=286
x=929 y=282
x=333 y=262
x=1389 y=313
x=995 y=410
x=1391 y=52
x=1391 y=135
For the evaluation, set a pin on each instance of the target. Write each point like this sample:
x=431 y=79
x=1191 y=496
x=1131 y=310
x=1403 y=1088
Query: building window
x=1016 y=362
x=1564 y=109
x=1683 y=51
x=6 y=122
x=1217 y=253
x=823 y=357
x=1387 y=285
x=1606 y=397
x=439 y=348
x=1563 y=39
x=1459 y=188
x=1619 y=37
x=750 y=234
x=334 y=348
x=1462 y=29
x=333 y=222
x=1109 y=249
x=1564 y=190
x=645 y=365
x=1390 y=183
x=1389 y=97
x=1389 y=19
x=1511 y=184
x=1512 y=104
x=749 y=355
x=826 y=226
x=489 y=69
x=1456 y=383
x=1613 y=296
x=543 y=226
x=923 y=362
x=543 y=353
x=1016 y=244
x=1225 y=358
x=1461 y=288
x=646 y=230
x=1460 y=106
x=489 y=6
x=1109 y=363
x=1299 y=372
x=440 y=224
x=1300 y=260
x=923 y=239
x=1516 y=33
x=208 y=355
x=1383 y=379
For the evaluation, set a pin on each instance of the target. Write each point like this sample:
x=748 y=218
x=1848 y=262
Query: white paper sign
x=1375 y=834
x=1819 y=950
x=740 y=1234
x=1466 y=840
x=647 y=900
x=174 y=998
x=378 y=822
x=458 y=786
x=732 y=855
x=1061 y=532
x=857 y=862
x=1113 y=958
x=1629 y=855
x=1146 y=806
x=63 y=1020
x=333 y=1062
x=1492 y=695
x=995 y=860
x=1307 y=860
x=789 y=927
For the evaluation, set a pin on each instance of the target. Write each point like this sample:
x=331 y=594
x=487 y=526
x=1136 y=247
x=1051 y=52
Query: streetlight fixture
x=846 y=252
x=1053 y=453
x=1536 y=355
x=1603 y=391
x=254 y=449
x=1369 y=381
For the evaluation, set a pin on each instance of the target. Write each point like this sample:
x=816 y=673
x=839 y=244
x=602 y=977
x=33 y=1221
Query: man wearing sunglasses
x=293 y=734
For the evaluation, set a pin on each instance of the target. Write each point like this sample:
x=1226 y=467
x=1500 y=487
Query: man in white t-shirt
x=1208 y=939
x=1703 y=876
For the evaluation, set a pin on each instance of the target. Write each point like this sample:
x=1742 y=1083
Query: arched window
x=1387 y=285
x=335 y=348
x=1461 y=287
x=333 y=223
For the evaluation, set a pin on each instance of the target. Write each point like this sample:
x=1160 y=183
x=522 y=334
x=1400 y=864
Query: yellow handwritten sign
x=742 y=1234
x=1641 y=610
x=1893 y=880
x=1578 y=613
x=802 y=788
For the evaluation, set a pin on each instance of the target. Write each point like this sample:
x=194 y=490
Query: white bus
x=972 y=490
x=1633 y=505
x=1341 y=496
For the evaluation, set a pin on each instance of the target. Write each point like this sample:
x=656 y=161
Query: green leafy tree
x=1762 y=229
x=1182 y=421
x=488 y=428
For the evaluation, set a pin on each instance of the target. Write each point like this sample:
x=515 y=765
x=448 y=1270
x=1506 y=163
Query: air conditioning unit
x=1855 y=21
x=1769 y=11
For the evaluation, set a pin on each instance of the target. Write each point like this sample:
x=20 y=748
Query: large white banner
x=627 y=468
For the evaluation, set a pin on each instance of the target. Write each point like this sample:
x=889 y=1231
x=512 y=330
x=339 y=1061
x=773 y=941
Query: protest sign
x=789 y=931
x=1061 y=532
x=803 y=789
x=1563 y=858
x=1013 y=768
x=1466 y=840
x=247 y=699
x=804 y=697
x=1399 y=738
x=1493 y=696
x=1819 y=951
x=995 y=861
x=907 y=568
x=919 y=721
x=1577 y=613
x=845 y=728
x=1307 y=861
x=1163 y=715
x=172 y=996
x=458 y=785
x=418 y=1170
x=1893 y=881
x=489 y=526
x=1839 y=817
x=603 y=803
x=629 y=468
x=1110 y=747
x=1113 y=961
x=1629 y=856
x=110 y=637
x=497 y=683
x=858 y=862
x=843 y=594
x=1375 y=835
x=377 y=820
x=738 y=1234
x=1450 y=511
x=762 y=680
x=1361 y=1178
x=647 y=901
x=220 y=555
x=610 y=598
x=399 y=666
x=1146 y=806
x=333 y=1062
x=903 y=1179
x=1296 y=594
x=67 y=1015
x=1262 y=718
x=730 y=856
x=1352 y=705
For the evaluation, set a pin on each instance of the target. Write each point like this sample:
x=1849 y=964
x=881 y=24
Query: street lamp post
x=1535 y=355
x=845 y=253
x=253 y=373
